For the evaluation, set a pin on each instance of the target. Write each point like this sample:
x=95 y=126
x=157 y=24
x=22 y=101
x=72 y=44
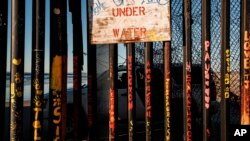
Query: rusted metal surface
x=116 y=21
x=38 y=45
x=113 y=98
x=75 y=8
x=131 y=92
x=167 y=90
x=187 y=65
x=58 y=70
x=206 y=69
x=245 y=58
x=148 y=89
x=225 y=69
x=92 y=88
x=3 y=60
x=92 y=93
x=17 y=69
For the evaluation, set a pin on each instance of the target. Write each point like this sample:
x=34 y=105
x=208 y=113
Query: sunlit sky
x=28 y=36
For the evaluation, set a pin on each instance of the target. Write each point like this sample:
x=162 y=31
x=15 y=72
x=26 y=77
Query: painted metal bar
x=148 y=89
x=206 y=69
x=92 y=93
x=167 y=90
x=131 y=92
x=75 y=8
x=37 y=91
x=17 y=69
x=58 y=69
x=187 y=65
x=245 y=58
x=225 y=69
x=3 y=62
x=113 y=98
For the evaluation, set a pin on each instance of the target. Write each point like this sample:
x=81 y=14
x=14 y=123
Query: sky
x=28 y=37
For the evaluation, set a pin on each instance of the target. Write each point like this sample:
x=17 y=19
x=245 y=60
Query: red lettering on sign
x=130 y=33
x=128 y=11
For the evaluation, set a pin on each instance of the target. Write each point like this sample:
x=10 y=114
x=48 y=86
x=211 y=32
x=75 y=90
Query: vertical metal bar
x=92 y=85
x=167 y=90
x=75 y=8
x=225 y=69
x=206 y=68
x=3 y=62
x=148 y=89
x=245 y=66
x=38 y=44
x=113 y=98
x=187 y=64
x=17 y=69
x=58 y=69
x=131 y=91
x=92 y=94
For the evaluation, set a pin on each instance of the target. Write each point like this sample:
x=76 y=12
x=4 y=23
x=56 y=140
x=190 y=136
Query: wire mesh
x=177 y=57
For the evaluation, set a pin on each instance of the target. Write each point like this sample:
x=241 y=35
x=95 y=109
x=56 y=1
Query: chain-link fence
x=177 y=57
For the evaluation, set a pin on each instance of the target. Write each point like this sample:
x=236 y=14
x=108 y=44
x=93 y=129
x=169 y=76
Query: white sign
x=124 y=21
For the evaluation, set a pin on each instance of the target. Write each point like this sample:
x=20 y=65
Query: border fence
x=193 y=87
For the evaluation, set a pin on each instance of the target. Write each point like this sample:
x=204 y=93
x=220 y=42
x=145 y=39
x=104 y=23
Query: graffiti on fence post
x=245 y=58
x=206 y=68
x=113 y=98
x=17 y=69
x=187 y=64
x=37 y=70
x=167 y=89
x=3 y=62
x=225 y=68
x=148 y=89
x=131 y=91
x=58 y=70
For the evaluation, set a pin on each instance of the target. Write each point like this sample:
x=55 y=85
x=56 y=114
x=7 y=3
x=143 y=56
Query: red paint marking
x=128 y=11
x=148 y=89
x=207 y=77
x=116 y=32
x=130 y=33
x=112 y=110
x=130 y=84
x=188 y=102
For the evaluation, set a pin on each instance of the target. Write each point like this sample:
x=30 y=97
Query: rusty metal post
x=58 y=69
x=92 y=85
x=92 y=93
x=113 y=98
x=167 y=90
x=3 y=62
x=131 y=92
x=206 y=68
x=148 y=89
x=187 y=65
x=225 y=69
x=38 y=44
x=17 y=69
x=245 y=67
x=75 y=8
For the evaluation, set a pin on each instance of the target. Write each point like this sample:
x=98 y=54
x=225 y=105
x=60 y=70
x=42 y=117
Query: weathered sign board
x=124 y=21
